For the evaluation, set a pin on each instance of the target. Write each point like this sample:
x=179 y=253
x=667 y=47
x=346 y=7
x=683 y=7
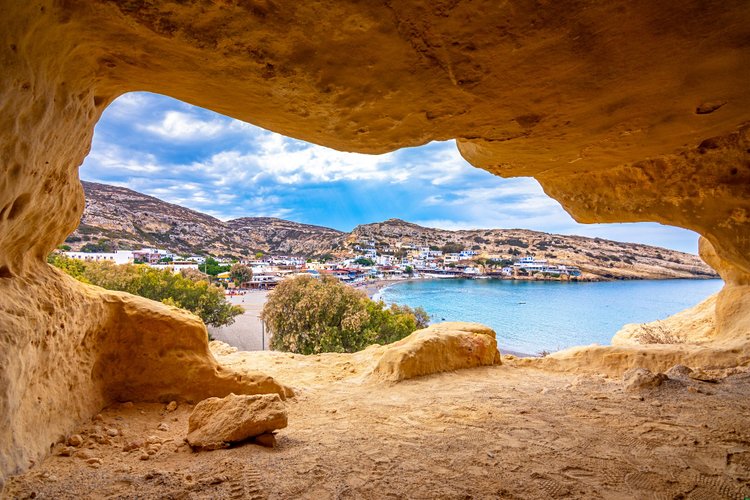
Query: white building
x=176 y=267
x=117 y=257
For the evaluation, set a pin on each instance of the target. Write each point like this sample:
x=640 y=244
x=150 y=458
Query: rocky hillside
x=129 y=219
x=595 y=256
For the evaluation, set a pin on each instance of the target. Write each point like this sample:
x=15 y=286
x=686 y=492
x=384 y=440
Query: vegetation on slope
x=194 y=294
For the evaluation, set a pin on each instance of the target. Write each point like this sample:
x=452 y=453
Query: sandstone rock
x=637 y=379
x=220 y=348
x=678 y=372
x=438 y=348
x=695 y=324
x=654 y=149
x=703 y=376
x=134 y=445
x=267 y=440
x=218 y=422
x=75 y=440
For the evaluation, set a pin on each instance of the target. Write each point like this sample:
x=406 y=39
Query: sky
x=226 y=168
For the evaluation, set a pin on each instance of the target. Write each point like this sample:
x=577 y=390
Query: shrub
x=199 y=297
x=657 y=333
x=306 y=315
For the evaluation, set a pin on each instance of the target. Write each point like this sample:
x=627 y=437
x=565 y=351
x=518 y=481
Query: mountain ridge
x=129 y=219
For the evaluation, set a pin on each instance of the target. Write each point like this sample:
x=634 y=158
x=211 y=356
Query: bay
x=534 y=316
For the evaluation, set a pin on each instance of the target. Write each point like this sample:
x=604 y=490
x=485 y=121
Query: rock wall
x=622 y=110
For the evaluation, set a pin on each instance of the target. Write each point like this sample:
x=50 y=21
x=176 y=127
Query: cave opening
x=227 y=171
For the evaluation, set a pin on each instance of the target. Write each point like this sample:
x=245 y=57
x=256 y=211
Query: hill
x=596 y=256
x=123 y=218
x=130 y=219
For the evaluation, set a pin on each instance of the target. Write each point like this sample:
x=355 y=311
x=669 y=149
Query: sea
x=531 y=317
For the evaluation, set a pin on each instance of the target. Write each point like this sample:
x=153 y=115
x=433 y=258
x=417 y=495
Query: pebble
x=172 y=406
x=144 y=456
x=98 y=418
x=153 y=440
x=67 y=451
x=163 y=427
x=75 y=440
x=84 y=454
x=133 y=445
x=112 y=432
x=94 y=461
x=129 y=404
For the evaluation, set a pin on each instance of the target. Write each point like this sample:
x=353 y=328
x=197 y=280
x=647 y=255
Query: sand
x=493 y=432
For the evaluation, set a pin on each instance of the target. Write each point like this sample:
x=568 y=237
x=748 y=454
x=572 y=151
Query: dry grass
x=657 y=333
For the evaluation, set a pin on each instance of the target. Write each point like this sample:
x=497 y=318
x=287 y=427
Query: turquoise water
x=532 y=316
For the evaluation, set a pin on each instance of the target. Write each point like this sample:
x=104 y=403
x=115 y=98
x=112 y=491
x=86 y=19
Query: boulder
x=637 y=379
x=218 y=422
x=438 y=348
x=678 y=372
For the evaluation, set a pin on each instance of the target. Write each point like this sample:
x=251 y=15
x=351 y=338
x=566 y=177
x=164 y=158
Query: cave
x=623 y=111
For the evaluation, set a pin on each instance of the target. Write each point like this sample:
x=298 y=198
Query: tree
x=102 y=246
x=309 y=316
x=73 y=267
x=199 y=297
x=364 y=261
x=211 y=266
x=194 y=275
x=240 y=273
x=452 y=247
x=409 y=270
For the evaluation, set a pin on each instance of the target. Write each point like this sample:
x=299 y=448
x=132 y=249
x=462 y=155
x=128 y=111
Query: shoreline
x=248 y=332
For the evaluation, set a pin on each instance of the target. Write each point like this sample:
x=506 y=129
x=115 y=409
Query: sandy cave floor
x=496 y=432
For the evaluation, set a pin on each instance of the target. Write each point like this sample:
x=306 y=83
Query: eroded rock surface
x=438 y=348
x=638 y=379
x=218 y=422
x=624 y=111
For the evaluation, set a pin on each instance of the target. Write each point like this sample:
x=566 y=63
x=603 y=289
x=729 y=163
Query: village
x=364 y=263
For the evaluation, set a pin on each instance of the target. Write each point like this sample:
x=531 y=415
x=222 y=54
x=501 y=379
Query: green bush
x=199 y=297
x=306 y=315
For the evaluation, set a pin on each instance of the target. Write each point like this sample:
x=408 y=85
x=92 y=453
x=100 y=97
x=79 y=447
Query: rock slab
x=637 y=379
x=442 y=347
x=218 y=422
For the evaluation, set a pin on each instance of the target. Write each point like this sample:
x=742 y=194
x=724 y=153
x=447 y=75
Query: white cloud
x=177 y=125
x=230 y=169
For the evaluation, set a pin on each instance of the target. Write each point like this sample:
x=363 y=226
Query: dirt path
x=499 y=432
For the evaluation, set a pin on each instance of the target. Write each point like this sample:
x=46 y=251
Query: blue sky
x=226 y=168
